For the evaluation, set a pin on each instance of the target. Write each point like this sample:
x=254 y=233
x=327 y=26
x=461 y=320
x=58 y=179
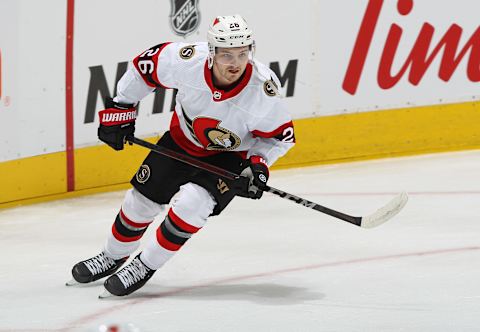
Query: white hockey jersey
x=250 y=118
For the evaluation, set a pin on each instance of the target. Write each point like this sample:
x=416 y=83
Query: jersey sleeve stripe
x=274 y=133
x=147 y=64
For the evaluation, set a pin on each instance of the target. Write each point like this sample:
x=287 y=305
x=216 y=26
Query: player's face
x=229 y=64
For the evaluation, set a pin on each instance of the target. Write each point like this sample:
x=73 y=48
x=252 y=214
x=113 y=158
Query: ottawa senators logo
x=270 y=87
x=143 y=174
x=187 y=52
x=221 y=138
x=209 y=133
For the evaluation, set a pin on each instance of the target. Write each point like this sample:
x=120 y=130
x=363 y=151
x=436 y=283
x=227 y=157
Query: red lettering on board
x=421 y=56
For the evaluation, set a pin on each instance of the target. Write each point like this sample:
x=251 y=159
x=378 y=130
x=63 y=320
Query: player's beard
x=233 y=74
x=228 y=74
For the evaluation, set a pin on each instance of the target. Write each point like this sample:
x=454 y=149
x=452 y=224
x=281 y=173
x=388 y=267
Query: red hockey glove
x=116 y=122
x=256 y=171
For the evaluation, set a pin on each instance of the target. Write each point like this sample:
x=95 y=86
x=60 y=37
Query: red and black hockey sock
x=174 y=232
x=126 y=230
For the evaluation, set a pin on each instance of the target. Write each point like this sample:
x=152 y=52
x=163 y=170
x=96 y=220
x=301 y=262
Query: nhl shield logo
x=185 y=16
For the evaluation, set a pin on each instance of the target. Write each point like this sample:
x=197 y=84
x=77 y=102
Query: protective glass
x=232 y=57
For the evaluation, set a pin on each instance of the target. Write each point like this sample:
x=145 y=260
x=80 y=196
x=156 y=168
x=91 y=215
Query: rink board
x=351 y=91
x=323 y=140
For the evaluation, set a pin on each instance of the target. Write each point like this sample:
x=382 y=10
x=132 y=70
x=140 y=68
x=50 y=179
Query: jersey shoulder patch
x=187 y=52
x=270 y=88
x=266 y=78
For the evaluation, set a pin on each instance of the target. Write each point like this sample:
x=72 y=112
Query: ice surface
x=270 y=265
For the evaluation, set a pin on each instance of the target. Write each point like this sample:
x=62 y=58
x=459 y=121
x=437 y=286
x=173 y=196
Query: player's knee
x=138 y=207
x=193 y=204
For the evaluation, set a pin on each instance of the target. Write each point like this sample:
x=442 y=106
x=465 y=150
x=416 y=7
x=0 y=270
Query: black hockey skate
x=95 y=268
x=130 y=278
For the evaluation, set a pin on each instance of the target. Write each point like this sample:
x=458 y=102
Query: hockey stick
x=377 y=218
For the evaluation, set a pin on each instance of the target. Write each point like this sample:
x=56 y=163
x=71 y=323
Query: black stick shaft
x=232 y=176
x=184 y=158
x=312 y=205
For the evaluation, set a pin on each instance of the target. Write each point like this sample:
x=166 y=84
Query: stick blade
x=385 y=213
x=72 y=282
x=105 y=295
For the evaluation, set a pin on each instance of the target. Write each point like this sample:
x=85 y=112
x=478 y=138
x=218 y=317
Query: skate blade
x=106 y=294
x=72 y=282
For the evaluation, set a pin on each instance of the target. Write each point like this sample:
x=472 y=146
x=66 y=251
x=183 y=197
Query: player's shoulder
x=182 y=51
x=265 y=80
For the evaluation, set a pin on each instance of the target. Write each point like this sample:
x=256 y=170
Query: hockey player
x=228 y=112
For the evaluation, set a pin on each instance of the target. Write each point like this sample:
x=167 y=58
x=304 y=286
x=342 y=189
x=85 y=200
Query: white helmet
x=228 y=31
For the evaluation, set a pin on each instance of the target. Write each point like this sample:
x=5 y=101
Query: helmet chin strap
x=211 y=55
x=210 y=61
